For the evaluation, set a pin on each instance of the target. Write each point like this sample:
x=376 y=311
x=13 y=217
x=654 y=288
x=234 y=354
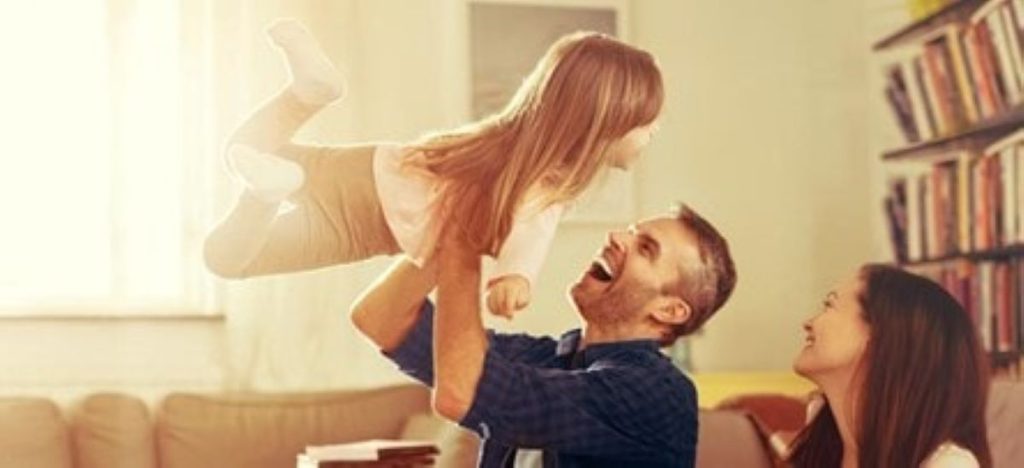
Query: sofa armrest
x=730 y=438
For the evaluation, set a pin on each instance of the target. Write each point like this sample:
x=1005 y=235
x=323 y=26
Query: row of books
x=960 y=74
x=965 y=202
x=992 y=293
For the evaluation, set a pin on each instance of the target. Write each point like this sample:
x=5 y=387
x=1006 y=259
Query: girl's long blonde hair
x=587 y=91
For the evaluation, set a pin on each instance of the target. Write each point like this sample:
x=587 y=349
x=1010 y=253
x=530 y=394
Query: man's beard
x=618 y=305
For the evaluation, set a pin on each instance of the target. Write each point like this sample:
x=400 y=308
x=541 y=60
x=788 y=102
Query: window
x=100 y=194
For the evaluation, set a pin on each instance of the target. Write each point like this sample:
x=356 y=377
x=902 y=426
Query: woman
x=903 y=378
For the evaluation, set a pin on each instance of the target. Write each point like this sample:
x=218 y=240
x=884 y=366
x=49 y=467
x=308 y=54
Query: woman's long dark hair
x=925 y=383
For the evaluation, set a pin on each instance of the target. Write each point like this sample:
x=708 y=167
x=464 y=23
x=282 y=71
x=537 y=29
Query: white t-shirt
x=950 y=455
x=409 y=199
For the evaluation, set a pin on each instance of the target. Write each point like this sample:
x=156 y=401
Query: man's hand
x=508 y=295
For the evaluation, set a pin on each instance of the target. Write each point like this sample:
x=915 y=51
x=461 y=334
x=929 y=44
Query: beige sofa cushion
x=113 y=431
x=268 y=431
x=33 y=434
x=729 y=438
x=459 y=447
x=1006 y=423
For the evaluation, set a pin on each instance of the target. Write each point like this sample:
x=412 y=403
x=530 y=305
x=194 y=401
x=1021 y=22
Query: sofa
x=195 y=430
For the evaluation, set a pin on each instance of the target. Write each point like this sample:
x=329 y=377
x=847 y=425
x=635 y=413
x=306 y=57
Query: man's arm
x=460 y=341
x=386 y=312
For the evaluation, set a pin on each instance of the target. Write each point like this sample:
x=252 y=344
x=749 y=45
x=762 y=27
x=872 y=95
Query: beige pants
x=337 y=216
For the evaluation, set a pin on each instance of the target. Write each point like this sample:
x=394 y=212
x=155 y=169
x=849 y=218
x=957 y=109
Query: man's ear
x=672 y=310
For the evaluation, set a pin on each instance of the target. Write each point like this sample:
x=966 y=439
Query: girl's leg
x=337 y=219
x=314 y=84
x=251 y=154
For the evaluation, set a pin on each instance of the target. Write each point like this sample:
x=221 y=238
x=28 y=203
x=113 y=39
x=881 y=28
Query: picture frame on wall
x=506 y=39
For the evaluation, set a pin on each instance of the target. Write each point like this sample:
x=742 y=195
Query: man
x=600 y=396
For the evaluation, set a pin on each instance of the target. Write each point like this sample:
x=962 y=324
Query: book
x=1012 y=42
x=926 y=98
x=305 y=461
x=895 y=206
x=370 y=450
x=964 y=82
x=989 y=101
x=899 y=100
x=919 y=109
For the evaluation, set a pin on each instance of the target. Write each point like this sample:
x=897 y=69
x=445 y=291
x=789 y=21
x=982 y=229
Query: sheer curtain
x=115 y=113
x=108 y=143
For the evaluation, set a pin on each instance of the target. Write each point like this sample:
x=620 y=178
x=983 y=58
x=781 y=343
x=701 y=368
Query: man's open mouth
x=601 y=271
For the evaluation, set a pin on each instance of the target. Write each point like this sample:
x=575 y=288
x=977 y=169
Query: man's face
x=633 y=269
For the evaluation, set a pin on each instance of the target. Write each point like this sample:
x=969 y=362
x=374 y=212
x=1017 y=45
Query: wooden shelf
x=992 y=254
x=955 y=11
x=1006 y=357
x=980 y=134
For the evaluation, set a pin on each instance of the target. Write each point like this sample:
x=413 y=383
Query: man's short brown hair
x=707 y=285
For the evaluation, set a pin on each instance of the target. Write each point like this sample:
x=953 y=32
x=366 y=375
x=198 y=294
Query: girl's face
x=837 y=336
x=622 y=153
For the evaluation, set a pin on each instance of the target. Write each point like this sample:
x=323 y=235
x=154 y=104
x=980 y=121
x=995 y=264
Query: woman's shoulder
x=950 y=455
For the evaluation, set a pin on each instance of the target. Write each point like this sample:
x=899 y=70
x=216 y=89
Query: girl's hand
x=508 y=295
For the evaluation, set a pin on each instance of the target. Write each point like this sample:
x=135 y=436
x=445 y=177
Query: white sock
x=314 y=79
x=268 y=177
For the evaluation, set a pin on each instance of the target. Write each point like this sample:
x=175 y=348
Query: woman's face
x=622 y=153
x=836 y=336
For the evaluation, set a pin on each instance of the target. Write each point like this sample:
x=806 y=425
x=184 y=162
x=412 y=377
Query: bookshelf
x=1001 y=253
x=973 y=138
x=955 y=201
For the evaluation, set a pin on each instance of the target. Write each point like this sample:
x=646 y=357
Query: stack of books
x=370 y=453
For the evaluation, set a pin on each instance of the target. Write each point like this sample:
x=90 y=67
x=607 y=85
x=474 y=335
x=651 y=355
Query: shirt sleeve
x=611 y=412
x=527 y=243
x=415 y=356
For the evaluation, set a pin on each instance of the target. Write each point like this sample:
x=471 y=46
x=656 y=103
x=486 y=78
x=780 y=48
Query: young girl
x=904 y=378
x=588 y=105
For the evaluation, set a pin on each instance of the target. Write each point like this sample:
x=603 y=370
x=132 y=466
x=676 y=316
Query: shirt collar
x=569 y=343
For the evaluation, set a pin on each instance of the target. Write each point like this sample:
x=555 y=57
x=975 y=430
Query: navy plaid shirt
x=611 y=404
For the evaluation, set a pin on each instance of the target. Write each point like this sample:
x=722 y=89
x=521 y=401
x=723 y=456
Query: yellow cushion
x=33 y=434
x=714 y=387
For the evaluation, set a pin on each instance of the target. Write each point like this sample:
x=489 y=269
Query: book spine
x=954 y=40
x=917 y=105
x=984 y=88
x=1013 y=47
x=937 y=91
x=990 y=62
x=963 y=172
x=1001 y=48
